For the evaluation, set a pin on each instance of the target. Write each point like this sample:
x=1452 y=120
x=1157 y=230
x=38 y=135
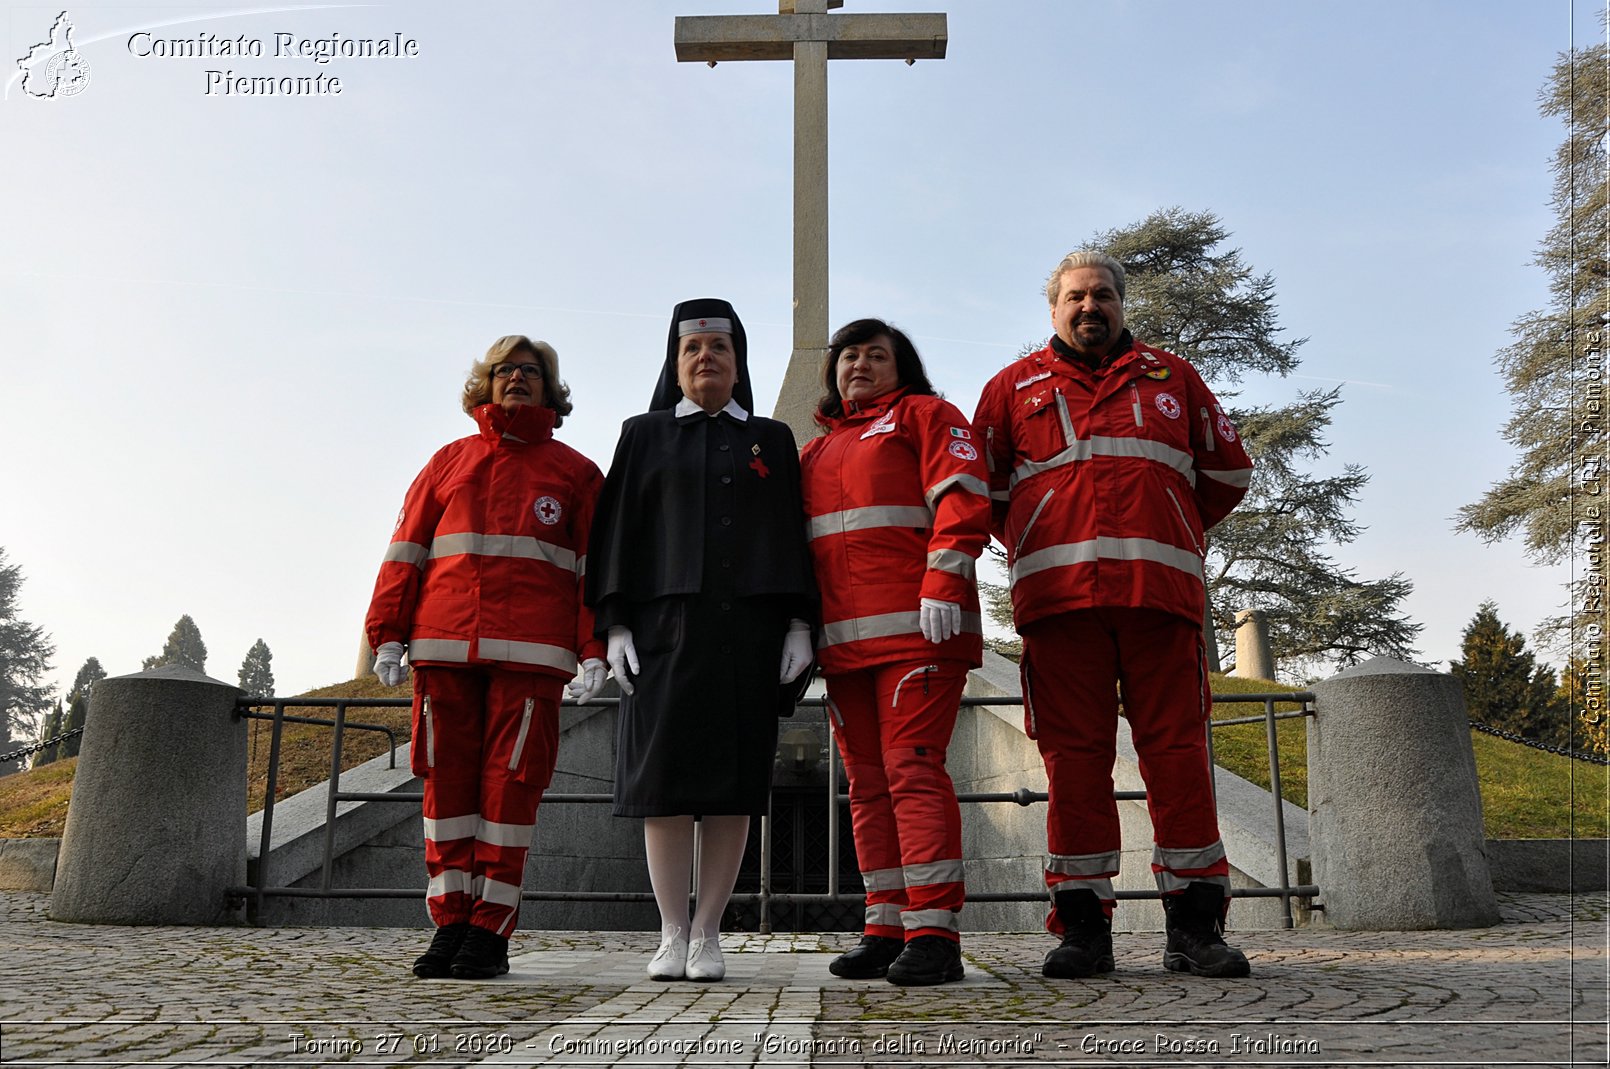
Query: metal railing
x=765 y=898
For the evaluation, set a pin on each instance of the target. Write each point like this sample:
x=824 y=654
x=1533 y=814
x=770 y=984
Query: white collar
x=686 y=407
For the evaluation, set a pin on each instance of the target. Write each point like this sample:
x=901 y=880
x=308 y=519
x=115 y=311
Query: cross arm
x=721 y=38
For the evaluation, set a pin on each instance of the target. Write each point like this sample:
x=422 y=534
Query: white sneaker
x=704 y=958
x=671 y=960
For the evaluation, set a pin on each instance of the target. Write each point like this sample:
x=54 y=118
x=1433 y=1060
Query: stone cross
x=804 y=32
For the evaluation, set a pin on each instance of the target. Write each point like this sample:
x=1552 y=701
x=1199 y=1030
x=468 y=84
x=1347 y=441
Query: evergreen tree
x=25 y=652
x=88 y=675
x=184 y=647
x=77 y=713
x=256 y=677
x=1505 y=687
x=1188 y=294
x=52 y=728
x=1554 y=368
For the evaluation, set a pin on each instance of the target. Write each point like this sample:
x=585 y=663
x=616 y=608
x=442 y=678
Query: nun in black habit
x=699 y=575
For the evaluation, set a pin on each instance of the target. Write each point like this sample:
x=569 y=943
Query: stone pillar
x=1394 y=811
x=1252 y=657
x=156 y=829
x=366 y=658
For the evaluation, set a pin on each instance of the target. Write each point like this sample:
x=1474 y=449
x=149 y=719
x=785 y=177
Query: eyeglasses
x=506 y=371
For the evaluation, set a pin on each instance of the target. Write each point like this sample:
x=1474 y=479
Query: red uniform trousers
x=893 y=723
x=1074 y=666
x=485 y=740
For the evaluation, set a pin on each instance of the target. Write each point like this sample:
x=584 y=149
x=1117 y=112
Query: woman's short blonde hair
x=478 y=387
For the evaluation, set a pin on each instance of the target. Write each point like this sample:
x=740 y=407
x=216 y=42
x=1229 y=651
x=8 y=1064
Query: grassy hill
x=1526 y=793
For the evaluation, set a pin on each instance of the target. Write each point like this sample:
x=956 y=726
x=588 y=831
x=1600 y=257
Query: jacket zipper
x=1024 y=537
x=519 y=740
x=1134 y=392
x=430 y=734
x=989 y=450
x=1183 y=522
x=1207 y=430
x=1068 y=436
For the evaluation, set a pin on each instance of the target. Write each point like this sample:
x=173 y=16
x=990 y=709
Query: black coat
x=698 y=546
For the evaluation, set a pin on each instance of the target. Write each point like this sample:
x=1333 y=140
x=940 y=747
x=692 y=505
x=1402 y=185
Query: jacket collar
x=859 y=410
x=686 y=410
x=1073 y=358
x=528 y=423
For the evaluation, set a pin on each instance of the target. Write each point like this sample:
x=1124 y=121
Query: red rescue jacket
x=898 y=510
x=1104 y=482
x=487 y=560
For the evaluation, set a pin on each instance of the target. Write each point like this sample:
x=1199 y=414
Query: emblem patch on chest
x=883 y=425
x=1168 y=406
x=547 y=510
x=1158 y=373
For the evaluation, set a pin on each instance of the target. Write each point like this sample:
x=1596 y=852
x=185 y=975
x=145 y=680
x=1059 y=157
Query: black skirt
x=700 y=734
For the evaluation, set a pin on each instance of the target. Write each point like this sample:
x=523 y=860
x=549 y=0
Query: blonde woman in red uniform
x=898 y=503
x=481 y=587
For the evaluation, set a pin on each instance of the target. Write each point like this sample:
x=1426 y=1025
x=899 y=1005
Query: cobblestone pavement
x=1531 y=991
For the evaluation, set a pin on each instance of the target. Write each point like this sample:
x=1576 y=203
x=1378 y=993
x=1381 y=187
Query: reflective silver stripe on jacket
x=503 y=649
x=886 y=626
x=519 y=546
x=884 y=879
x=492 y=649
x=437 y=649
x=1071 y=553
x=931 y=872
x=928 y=918
x=953 y=561
x=1240 y=478
x=868 y=518
x=1101 y=445
x=970 y=483
x=407 y=553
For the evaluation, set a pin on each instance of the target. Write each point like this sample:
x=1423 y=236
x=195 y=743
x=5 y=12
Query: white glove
x=389 y=668
x=586 y=688
x=940 y=619
x=622 y=655
x=796 y=651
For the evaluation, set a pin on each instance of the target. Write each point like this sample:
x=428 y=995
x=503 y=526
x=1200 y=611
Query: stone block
x=1394 y=809
x=28 y=864
x=156 y=830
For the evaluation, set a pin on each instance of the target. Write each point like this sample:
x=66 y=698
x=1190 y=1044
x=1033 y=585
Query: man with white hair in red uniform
x=1109 y=460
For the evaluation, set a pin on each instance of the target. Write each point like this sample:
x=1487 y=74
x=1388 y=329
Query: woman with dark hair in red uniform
x=898 y=503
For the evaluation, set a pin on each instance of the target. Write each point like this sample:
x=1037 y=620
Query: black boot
x=1086 y=937
x=867 y=960
x=1196 y=933
x=927 y=960
x=485 y=954
x=438 y=960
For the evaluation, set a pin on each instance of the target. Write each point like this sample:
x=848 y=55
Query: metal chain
x=36 y=747
x=1575 y=755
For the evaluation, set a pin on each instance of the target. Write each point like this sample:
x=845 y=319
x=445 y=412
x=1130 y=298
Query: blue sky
x=235 y=326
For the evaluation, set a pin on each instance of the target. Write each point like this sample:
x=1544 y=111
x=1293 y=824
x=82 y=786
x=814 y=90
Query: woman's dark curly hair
x=907 y=364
